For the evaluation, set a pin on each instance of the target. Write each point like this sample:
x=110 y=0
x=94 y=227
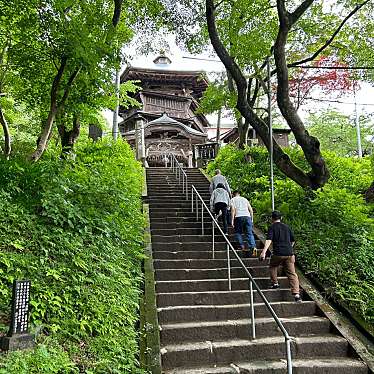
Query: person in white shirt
x=242 y=220
x=220 y=202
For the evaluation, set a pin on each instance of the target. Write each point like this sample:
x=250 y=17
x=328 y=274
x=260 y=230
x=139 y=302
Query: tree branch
x=70 y=82
x=117 y=12
x=221 y=51
x=4 y=124
x=255 y=94
x=330 y=40
x=299 y=11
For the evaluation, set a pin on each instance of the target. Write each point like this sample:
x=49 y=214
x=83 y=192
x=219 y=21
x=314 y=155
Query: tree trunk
x=281 y=159
x=117 y=12
x=55 y=107
x=44 y=136
x=68 y=138
x=369 y=194
x=218 y=134
x=243 y=133
x=4 y=124
x=309 y=144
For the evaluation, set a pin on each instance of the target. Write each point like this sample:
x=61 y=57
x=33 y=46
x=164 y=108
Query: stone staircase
x=204 y=327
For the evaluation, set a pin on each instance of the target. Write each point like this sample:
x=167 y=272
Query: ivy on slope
x=75 y=229
x=334 y=226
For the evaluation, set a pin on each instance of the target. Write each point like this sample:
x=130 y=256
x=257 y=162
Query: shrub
x=333 y=227
x=75 y=229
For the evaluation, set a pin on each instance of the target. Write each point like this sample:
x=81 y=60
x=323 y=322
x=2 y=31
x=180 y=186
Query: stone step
x=205 y=263
x=216 y=330
x=169 y=171
x=315 y=365
x=175 y=187
x=179 y=210
x=178 y=196
x=194 y=255
x=217 y=298
x=186 y=238
x=178 y=214
x=176 y=219
x=201 y=189
x=195 y=313
x=178 y=234
x=170 y=204
x=153 y=179
x=213 y=284
x=226 y=352
x=202 y=246
x=198 y=274
x=167 y=230
x=172 y=180
x=160 y=224
x=162 y=199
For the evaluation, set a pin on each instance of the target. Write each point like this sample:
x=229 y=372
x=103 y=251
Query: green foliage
x=43 y=360
x=76 y=38
x=334 y=231
x=337 y=132
x=75 y=229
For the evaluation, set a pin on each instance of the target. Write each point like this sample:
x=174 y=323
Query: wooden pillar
x=140 y=140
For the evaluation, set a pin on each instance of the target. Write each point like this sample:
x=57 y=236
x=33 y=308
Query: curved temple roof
x=166 y=120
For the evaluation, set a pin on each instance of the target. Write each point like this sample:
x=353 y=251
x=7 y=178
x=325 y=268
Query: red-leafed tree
x=306 y=81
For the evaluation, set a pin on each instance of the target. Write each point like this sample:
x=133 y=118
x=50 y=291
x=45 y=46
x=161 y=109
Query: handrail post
x=289 y=358
x=202 y=219
x=197 y=209
x=192 y=200
x=213 y=238
x=252 y=310
x=228 y=266
x=186 y=187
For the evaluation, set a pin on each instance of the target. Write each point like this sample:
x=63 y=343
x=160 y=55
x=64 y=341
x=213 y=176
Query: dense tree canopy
x=58 y=57
x=245 y=33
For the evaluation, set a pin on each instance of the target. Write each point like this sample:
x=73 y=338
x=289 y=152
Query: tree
x=336 y=82
x=245 y=33
x=62 y=55
x=337 y=132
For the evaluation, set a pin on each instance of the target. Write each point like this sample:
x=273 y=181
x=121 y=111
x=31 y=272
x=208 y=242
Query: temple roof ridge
x=166 y=120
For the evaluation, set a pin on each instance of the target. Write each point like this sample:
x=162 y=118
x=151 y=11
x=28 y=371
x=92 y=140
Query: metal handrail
x=180 y=174
x=252 y=282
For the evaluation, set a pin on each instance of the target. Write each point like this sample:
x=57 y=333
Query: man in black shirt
x=283 y=240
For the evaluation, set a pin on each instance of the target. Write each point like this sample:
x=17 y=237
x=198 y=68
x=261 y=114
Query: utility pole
x=357 y=123
x=116 y=110
x=218 y=136
x=270 y=136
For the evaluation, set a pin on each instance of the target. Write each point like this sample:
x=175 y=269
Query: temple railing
x=205 y=152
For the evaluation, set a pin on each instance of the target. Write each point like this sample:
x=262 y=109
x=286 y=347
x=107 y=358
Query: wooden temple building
x=166 y=120
x=281 y=136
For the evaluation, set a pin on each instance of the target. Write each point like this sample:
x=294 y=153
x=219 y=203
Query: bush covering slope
x=334 y=226
x=75 y=229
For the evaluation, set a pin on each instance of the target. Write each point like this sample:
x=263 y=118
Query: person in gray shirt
x=220 y=202
x=219 y=178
